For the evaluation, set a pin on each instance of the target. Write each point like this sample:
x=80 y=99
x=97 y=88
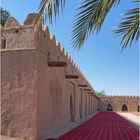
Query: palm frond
x=90 y=18
x=129 y=27
x=50 y=8
x=4 y=14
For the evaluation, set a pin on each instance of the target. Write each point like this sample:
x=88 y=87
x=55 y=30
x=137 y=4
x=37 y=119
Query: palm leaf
x=50 y=8
x=90 y=18
x=4 y=14
x=129 y=27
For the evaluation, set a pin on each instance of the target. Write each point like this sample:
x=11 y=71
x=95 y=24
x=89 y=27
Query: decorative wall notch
x=63 y=50
x=47 y=31
x=52 y=37
x=65 y=53
x=58 y=45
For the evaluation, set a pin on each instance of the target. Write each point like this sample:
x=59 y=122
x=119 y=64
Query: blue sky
x=100 y=59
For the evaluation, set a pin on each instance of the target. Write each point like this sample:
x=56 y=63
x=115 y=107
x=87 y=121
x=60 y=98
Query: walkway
x=103 y=126
x=70 y=126
x=135 y=119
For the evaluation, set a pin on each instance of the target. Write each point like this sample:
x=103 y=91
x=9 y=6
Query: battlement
x=119 y=96
x=33 y=35
x=16 y=36
x=41 y=83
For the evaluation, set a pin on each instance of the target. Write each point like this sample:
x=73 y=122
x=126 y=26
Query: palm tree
x=3 y=16
x=90 y=18
x=101 y=93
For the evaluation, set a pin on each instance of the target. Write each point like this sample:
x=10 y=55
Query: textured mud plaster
x=36 y=97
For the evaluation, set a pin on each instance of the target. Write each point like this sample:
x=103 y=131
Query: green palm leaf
x=90 y=18
x=3 y=16
x=50 y=8
x=129 y=27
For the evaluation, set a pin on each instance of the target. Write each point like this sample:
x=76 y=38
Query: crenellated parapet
x=119 y=96
x=33 y=35
x=14 y=35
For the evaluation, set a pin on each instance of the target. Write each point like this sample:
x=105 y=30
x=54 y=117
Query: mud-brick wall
x=117 y=102
x=56 y=92
x=37 y=99
x=19 y=93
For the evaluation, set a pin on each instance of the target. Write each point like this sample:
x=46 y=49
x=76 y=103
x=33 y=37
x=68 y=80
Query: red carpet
x=103 y=126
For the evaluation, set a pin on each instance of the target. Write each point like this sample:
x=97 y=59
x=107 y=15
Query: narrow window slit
x=3 y=43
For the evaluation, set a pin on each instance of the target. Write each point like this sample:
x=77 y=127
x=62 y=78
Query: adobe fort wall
x=120 y=103
x=42 y=90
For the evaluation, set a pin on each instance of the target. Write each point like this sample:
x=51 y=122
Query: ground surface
x=132 y=117
x=70 y=126
x=103 y=126
x=57 y=133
